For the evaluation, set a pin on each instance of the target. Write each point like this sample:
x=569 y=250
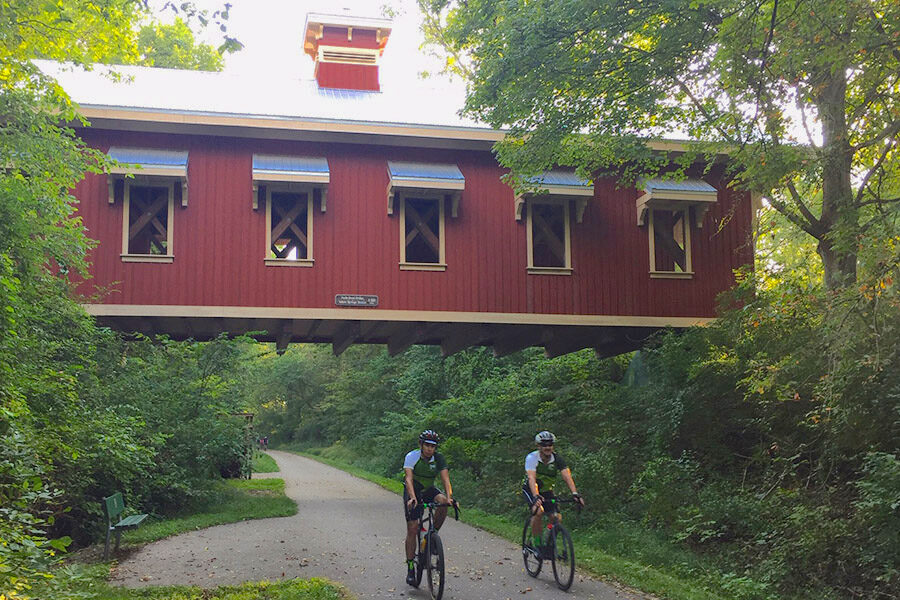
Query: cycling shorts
x=422 y=495
x=549 y=507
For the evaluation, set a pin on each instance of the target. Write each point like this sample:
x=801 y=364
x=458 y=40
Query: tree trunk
x=840 y=267
x=839 y=211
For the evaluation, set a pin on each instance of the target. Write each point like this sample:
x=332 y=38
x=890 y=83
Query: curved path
x=348 y=530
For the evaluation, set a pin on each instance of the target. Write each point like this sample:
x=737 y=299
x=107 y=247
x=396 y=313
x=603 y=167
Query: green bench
x=113 y=506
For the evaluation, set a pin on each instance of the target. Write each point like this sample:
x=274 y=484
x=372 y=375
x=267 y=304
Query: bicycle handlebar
x=454 y=504
x=566 y=500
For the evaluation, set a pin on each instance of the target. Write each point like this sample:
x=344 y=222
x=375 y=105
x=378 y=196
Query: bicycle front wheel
x=530 y=554
x=420 y=559
x=434 y=566
x=563 y=557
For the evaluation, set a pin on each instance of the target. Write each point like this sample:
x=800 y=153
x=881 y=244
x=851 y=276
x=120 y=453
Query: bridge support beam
x=284 y=337
x=462 y=337
x=405 y=336
x=563 y=340
x=519 y=339
x=344 y=337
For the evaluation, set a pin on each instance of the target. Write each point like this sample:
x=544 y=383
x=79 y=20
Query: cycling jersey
x=545 y=473
x=424 y=471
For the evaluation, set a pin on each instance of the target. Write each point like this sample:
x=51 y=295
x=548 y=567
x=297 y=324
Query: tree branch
x=879 y=201
x=888 y=132
x=875 y=167
x=792 y=216
x=879 y=27
x=764 y=56
x=804 y=210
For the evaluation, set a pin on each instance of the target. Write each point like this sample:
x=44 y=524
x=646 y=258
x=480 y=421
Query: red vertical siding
x=219 y=241
x=347 y=77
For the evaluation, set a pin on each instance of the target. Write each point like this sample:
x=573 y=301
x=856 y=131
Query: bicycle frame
x=430 y=549
x=553 y=517
x=549 y=549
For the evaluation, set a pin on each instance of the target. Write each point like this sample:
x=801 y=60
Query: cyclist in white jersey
x=542 y=467
x=420 y=468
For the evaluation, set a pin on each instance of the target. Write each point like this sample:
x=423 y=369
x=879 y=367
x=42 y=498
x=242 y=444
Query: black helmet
x=545 y=437
x=429 y=436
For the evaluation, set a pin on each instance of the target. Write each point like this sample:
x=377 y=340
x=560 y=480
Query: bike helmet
x=545 y=437
x=429 y=437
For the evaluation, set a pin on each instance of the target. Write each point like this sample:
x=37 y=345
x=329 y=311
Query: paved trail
x=351 y=531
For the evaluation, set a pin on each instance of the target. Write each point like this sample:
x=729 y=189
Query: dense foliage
x=766 y=444
x=804 y=95
x=173 y=46
x=82 y=413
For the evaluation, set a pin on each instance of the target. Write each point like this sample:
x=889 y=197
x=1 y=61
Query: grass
x=263 y=463
x=80 y=581
x=656 y=574
x=238 y=500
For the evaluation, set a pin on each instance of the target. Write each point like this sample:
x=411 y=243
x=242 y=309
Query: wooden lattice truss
x=417 y=224
x=149 y=207
x=289 y=224
x=549 y=231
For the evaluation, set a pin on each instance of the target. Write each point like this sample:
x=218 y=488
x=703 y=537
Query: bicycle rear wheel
x=530 y=554
x=563 y=557
x=434 y=565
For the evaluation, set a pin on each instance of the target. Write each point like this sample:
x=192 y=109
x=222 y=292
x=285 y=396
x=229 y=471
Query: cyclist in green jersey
x=421 y=467
x=542 y=468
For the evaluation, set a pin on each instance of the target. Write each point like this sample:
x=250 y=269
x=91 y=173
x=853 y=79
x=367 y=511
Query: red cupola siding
x=346 y=50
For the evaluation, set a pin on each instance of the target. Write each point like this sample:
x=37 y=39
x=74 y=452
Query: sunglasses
x=546 y=444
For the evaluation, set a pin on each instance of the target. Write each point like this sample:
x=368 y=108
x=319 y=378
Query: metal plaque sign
x=363 y=300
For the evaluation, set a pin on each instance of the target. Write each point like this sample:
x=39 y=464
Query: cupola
x=346 y=49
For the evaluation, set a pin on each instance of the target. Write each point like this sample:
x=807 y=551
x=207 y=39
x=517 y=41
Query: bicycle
x=430 y=550
x=557 y=548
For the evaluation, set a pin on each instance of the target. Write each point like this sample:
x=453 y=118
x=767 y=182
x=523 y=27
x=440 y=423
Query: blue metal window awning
x=269 y=168
x=559 y=183
x=425 y=176
x=670 y=194
x=149 y=162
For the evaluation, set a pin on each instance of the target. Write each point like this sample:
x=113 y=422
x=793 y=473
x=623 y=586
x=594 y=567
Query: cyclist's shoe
x=411 y=577
x=546 y=552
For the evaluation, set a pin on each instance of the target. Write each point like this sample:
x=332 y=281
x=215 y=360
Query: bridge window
x=147 y=219
x=670 y=243
x=422 y=191
x=289 y=226
x=549 y=238
x=669 y=208
x=149 y=181
x=422 y=232
x=549 y=198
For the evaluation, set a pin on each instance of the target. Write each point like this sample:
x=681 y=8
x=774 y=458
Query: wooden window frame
x=565 y=203
x=438 y=197
x=686 y=223
x=149 y=181
x=289 y=188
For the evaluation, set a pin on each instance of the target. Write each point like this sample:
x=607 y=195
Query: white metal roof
x=203 y=92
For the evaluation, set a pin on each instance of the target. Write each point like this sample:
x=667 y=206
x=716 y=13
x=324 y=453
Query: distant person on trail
x=542 y=468
x=421 y=467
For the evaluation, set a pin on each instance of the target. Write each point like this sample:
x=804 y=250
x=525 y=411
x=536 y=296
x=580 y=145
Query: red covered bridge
x=335 y=211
